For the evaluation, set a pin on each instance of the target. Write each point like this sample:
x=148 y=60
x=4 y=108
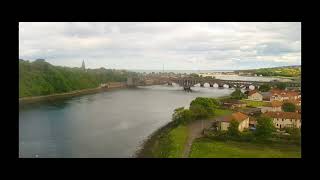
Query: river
x=107 y=124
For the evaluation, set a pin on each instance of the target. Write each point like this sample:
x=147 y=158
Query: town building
x=255 y=95
x=285 y=119
x=282 y=95
x=224 y=122
x=273 y=106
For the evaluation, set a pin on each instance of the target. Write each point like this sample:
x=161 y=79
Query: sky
x=158 y=45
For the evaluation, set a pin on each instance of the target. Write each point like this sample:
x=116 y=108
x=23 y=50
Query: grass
x=221 y=112
x=178 y=137
x=204 y=147
x=254 y=103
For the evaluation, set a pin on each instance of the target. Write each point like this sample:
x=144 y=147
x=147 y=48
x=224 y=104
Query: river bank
x=51 y=97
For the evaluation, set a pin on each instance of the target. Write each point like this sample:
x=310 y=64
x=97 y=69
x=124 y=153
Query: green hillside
x=286 y=71
x=41 y=78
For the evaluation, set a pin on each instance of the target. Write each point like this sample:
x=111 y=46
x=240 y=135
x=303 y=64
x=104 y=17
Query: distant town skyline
x=163 y=45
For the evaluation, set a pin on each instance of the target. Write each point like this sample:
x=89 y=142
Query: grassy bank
x=167 y=141
x=205 y=147
x=51 y=97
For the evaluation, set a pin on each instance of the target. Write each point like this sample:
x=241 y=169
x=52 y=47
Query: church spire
x=83 y=65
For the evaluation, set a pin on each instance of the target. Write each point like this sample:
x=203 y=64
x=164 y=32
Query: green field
x=179 y=137
x=221 y=112
x=254 y=103
x=205 y=147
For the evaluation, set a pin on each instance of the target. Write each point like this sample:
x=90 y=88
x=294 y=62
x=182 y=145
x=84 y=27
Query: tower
x=83 y=65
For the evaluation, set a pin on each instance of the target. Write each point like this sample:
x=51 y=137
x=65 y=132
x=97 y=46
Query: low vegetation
x=251 y=103
x=238 y=94
x=288 y=107
x=207 y=148
x=264 y=88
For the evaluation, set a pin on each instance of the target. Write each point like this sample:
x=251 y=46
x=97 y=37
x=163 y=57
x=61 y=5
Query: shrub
x=233 y=129
x=264 y=88
x=237 y=94
x=288 y=107
x=264 y=128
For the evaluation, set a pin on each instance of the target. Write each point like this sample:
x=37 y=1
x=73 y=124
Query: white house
x=285 y=119
x=273 y=106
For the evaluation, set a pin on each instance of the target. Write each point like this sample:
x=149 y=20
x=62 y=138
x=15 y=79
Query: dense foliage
x=233 y=129
x=288 y=72
x=237 y=94
x=203 y=107
x=265 y=127
x=41 y=78
x=182 y=116
x=288 y=107
x=281 y=85
x=264 y=88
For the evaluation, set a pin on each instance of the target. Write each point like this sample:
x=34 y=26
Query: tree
x=264 y=88
x=216 y=103
x=233 y=129
x=237 y=94
x=182 y=116
x=206 y=103
x=265 y=127
x=199 y=111
x=288 y=107
x=194 y=75
x=281 y=85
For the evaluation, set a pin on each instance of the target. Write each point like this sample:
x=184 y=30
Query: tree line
x=41 y=78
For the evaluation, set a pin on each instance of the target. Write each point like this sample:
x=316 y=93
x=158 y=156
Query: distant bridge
x=188 y=82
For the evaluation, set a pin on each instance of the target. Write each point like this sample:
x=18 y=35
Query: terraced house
x=285 y=119
x=273 y=106
x=281 y=95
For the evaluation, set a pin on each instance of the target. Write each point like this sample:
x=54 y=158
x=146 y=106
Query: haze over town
x=154 y=45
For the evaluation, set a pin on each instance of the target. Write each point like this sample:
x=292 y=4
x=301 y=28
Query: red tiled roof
x=238 y=116
x=275 y=103
x=283 y=115
x=284 y=93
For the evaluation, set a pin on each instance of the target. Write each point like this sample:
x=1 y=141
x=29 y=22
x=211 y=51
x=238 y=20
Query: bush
x=288 y=107
x=203 y=107
x=237 y=94
x=182 y=116
x=265 y=127
x=233 y=129
x=281 y=85
x=264 y=88
x=199 y=111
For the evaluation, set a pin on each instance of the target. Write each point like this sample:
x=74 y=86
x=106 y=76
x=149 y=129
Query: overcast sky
x=150 y=45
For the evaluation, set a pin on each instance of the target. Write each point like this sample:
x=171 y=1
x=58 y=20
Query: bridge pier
x=170 y=83
x=201 y=84
x=211 y=85
x=187 y=88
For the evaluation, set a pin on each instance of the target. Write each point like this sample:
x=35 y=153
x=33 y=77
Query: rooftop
x=283 y=115
x=238 y=116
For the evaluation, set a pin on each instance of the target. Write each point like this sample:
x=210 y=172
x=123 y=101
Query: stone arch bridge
x=188 y=82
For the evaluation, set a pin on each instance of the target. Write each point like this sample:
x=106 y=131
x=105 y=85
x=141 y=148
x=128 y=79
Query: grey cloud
x=178 y=45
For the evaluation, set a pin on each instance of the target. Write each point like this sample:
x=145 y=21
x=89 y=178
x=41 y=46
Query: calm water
x=108 y=124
